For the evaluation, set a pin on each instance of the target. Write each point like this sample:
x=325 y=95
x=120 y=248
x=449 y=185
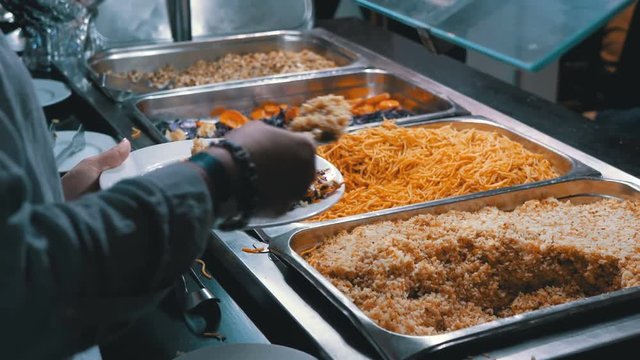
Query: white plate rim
x=153 y=157
x=99 y=140
x=60 y=90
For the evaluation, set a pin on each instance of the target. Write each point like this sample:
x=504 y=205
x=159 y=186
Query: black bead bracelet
x=247 y=190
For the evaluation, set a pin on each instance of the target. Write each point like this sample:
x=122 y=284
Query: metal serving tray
x=392 y=345
x=183 y=54
x=198 y=102
x=566 y=166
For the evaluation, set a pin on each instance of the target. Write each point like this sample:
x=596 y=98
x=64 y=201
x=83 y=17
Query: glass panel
x=143 y=21
x=525 y=33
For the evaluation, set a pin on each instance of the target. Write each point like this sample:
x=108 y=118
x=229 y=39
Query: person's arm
x=84 y=177
x=69 y=268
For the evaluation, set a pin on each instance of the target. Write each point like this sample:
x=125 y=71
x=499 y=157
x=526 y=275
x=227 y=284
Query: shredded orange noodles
x=389 y=166
x=256 y=250
x=203 y=269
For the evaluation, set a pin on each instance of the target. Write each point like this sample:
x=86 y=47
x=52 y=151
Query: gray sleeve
x=71 y=268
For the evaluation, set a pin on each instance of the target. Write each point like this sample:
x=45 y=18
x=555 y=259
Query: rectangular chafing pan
x=183 y=54
x=566 y=166
x=392 y=345
x=198 y=102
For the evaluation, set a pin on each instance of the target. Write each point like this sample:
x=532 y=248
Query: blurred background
x=595 y=76
x=598 y=74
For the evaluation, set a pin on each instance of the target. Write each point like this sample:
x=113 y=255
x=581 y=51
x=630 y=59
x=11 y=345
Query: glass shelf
x=528 y=34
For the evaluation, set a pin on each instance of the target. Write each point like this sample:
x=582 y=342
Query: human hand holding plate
x=95 y=144
x=154 y=157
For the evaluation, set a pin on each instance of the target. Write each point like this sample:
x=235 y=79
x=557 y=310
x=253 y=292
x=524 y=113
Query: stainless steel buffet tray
x=565 y=165
x=198 y=102
x=183 y=54
x=299 y=238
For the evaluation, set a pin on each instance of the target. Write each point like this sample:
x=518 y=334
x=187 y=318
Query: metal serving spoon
x=200 y=296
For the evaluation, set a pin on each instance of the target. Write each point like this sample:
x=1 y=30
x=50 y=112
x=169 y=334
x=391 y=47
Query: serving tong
x=198 y=297
x=200 y=308
x=77 y=143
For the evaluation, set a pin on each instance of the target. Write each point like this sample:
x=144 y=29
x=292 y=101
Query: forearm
x=100 y=259
x=142 y=230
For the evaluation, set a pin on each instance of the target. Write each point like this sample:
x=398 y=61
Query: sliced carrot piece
x=364 y=109
x=135 y=133
x=356 y=102
x=271 y=109
x=388 y=104
x=268 y=103
x=258 y=114
x=217 y=111
x=291 y=113
x=376 y=99
x=233 y=118
x=256 y=250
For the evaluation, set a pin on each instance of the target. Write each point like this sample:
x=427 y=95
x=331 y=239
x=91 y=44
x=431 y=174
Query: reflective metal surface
x=392 y=345
x=182 y=55
x=180 y=19
x=126 y=23
x=271 y=282
x=270 y=277
x=195 y=103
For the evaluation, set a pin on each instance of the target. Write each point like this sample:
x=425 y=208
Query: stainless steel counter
x=270 y=283
x=270 y=276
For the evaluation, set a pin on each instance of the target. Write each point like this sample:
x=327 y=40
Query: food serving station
x=292 y=303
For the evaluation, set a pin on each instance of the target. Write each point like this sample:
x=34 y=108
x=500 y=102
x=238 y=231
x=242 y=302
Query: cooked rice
x=233 y=67
x=325 y=116
x=433 y=274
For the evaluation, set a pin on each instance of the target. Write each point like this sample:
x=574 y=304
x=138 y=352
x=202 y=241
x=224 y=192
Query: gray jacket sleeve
x=69 y=270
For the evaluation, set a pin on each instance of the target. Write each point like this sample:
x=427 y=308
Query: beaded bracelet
x=247 y=191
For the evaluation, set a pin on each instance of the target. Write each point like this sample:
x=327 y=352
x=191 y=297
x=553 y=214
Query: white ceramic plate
x=156 y=156
x=95 y=144
x=246 y=352
x=50 y=92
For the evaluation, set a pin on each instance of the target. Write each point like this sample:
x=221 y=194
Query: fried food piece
x=233 y=118
x=206 y=129
x=325 y=117
x=198 y=146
